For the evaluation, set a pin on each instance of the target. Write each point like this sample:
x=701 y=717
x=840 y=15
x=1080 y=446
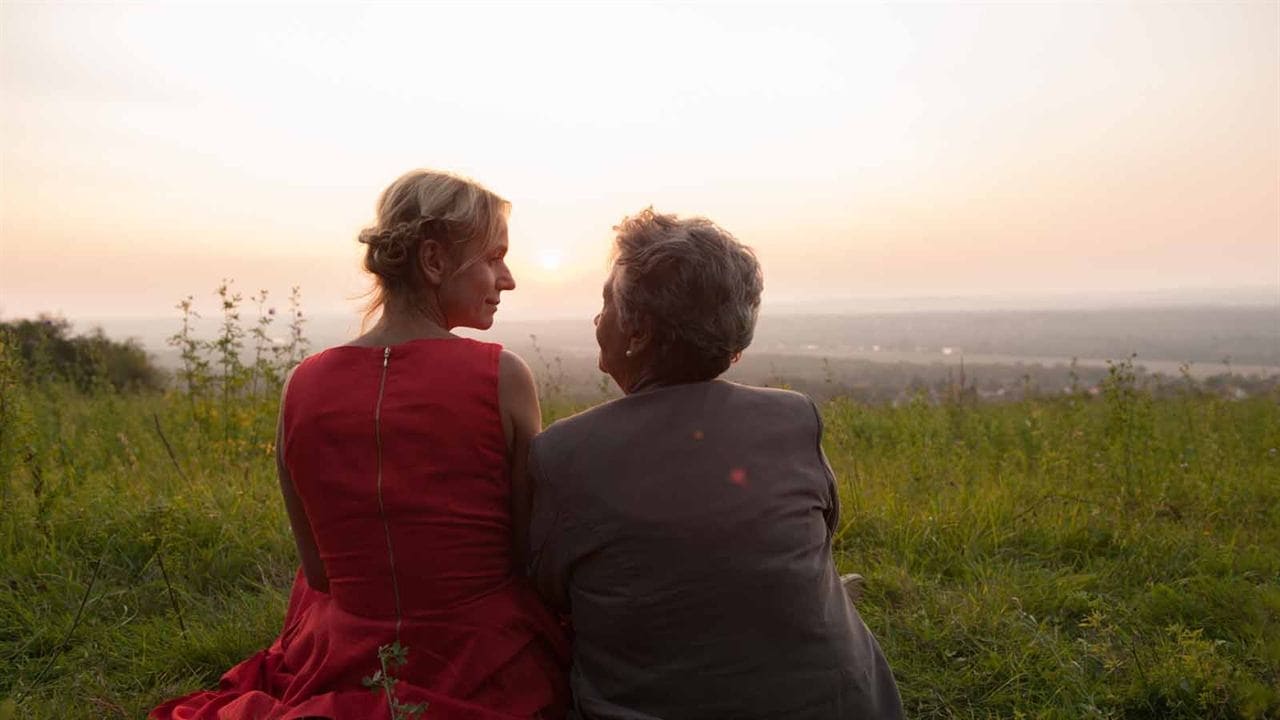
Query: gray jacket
x=687 y=530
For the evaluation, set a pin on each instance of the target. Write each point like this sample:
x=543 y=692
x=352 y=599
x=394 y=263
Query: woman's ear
x=433 y=261
x=639 y=339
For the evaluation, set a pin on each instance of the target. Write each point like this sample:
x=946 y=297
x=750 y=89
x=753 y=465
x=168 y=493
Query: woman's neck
x=399 y=324
x=642 y=381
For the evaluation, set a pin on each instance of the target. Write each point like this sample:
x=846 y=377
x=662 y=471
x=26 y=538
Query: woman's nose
x=506 y=281
x=596 y=320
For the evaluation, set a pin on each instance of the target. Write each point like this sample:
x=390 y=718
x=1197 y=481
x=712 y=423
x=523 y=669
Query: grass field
x=1066 y=557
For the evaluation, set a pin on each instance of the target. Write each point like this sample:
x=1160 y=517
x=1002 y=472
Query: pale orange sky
x=150 y=149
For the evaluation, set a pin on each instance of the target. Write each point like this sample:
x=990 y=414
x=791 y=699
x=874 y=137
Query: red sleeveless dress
x=425 y=433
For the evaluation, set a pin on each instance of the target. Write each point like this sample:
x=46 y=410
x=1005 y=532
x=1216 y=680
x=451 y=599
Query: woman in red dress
x=401 y=458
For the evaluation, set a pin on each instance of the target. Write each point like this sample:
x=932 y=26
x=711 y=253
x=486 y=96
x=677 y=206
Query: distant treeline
x=45 y=349
x=249 y=354
x=1203 y=335
x=576 y=379
x=872 y=382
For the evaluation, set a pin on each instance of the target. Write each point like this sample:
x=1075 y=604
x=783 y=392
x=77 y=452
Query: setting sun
x=1041 y=148
x=972 y=305
x=550 y=260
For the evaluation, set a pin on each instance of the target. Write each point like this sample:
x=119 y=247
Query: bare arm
x=303 y=537
x=521 y=420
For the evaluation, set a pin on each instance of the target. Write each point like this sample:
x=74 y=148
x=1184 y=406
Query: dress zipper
x=382 y=510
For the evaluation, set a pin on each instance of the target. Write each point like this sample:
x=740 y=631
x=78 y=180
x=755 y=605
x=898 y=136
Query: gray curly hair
x=696 y=286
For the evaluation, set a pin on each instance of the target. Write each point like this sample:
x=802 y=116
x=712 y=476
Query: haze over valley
x=878 y=355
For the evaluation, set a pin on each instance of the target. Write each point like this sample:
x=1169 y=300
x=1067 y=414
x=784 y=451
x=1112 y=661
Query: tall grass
x=1070 y=558
x=1113 y=557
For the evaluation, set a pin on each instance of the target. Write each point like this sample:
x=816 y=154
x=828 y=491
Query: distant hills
x=1244 y=337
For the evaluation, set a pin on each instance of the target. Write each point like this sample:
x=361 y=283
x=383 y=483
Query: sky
x=1001 y=151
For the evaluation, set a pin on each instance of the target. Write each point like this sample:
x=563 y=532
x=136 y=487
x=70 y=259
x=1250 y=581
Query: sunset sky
x=149 y=150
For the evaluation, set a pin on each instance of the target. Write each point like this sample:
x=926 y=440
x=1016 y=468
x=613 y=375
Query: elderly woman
x=686 y=527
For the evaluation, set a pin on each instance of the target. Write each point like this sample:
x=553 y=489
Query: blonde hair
x=421 y=205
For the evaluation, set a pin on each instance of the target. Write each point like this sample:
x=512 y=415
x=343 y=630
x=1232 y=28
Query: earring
x=627 y=353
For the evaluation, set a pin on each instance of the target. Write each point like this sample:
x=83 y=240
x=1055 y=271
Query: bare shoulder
x=514 y=374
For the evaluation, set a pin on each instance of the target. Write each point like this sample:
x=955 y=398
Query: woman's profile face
x=610 y=337
x=470 y=296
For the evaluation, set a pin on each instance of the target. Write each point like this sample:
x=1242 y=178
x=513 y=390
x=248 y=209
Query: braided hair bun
x=420 y=206
x=389 y=249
